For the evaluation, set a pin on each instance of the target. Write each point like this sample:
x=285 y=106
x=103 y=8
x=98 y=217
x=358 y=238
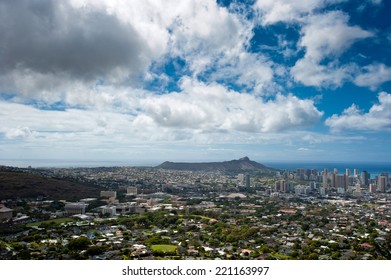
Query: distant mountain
x=242 y=165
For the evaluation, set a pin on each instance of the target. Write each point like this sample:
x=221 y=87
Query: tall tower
x=247 y=182
x=341 y=181
x=347 y=172
x=332 y=179
x=241 y=179
x=325 y=178
x=381 y=184
x=365 y=178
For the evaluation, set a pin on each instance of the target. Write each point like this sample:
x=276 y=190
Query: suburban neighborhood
x=155 y=213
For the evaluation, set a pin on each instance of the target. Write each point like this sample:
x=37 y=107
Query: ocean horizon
x=374 y=168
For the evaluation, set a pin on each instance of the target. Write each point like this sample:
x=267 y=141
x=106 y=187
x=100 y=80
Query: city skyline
x=147 y=81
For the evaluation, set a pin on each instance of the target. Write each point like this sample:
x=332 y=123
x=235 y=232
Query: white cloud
x=378 y=118
x=199 y=112
x=18 y=133
x=52 y=52
x=376 y=2
x=65 y=59
x=310 y=73
x=273 y=11
x=214 y=108
x=23 y=120
x=52 y=37
x=319 y=45
x=199 y=31
x=373 y=76
x=251 y=70
x=317 y=39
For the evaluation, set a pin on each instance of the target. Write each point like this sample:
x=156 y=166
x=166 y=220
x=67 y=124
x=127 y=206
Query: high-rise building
x=372 y=188
x=281 y=186
x=355 y=172
x=381 y=183
x=386 y=175
x=365 y=178
x=247 y=181
x=241 y=179
x=347 y=172
x=332 y=180
x=300 y=174
x=324 y=181
x=340 y=181
x=308 y=174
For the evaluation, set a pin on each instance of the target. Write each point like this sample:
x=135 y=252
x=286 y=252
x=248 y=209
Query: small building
x=5 y=213
x=234 y=196
x=109 y=210
x=75 y=208
x=108 y=194
x=132 y=191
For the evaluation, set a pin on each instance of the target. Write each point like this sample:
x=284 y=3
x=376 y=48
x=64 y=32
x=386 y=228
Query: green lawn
x=56 y=221
x=163 y=248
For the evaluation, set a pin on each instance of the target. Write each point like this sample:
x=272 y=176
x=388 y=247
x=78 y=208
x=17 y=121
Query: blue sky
x=197 y=80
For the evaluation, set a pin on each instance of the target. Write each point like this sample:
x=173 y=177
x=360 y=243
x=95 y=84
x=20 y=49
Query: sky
x=146 y=81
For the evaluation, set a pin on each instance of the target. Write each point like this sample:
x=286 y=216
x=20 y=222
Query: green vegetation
x=164 y=249
x=50 y=222
x=31 y=185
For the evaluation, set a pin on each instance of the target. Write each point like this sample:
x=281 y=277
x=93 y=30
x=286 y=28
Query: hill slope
x=29 y=185
x=233 y=166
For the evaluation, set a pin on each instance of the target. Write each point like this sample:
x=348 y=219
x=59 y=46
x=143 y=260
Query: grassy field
x=164 y=249
x=56 y=221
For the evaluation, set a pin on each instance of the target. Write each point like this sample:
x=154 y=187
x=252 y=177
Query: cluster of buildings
x=301 y=214
x=326 y=181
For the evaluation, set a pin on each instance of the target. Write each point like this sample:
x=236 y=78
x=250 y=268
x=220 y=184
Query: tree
x=94 y=250
x=80 y=243
x=305 y=227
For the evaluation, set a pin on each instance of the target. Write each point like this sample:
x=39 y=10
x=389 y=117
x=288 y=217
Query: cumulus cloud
x=52 y=37
x=378 y=118
x=373 y=76
x=198 y=111
x=214 y=108
x=56 y=51
x=311 y=73
x=316 y=37
x=199 y=31
x=205 y=32
x=319 y=45
x=51 y=51
x=273 y=11
x=254 y=71
x=18 y=133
